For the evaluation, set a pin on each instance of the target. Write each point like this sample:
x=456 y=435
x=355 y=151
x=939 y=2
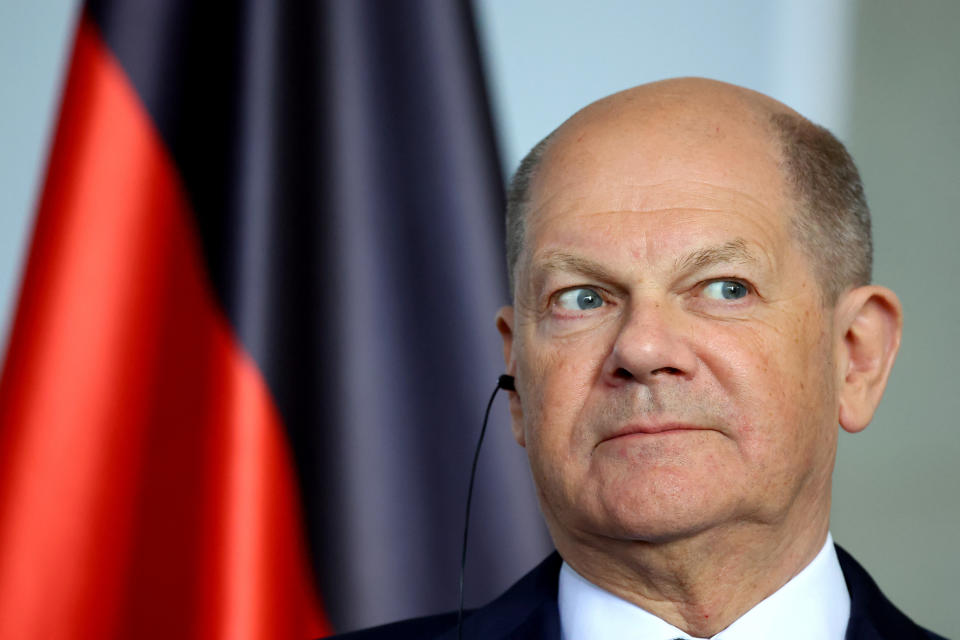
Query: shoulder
x=413 y=629
x=526 y=610
x=872 y=615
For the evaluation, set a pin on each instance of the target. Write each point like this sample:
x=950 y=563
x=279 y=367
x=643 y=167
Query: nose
x=654 y=343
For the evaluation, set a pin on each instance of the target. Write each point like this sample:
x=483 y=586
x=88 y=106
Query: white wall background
x=882 y=74
x=35 y=41
x=548 y=58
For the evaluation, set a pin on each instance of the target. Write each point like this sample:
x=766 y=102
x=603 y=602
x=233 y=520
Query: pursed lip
x=648 y=428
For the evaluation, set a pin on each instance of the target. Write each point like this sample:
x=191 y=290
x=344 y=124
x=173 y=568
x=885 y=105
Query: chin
x=660 y=512
x=655 y=528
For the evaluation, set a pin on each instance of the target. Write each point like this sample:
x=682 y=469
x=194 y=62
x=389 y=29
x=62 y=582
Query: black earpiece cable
x=504 y=382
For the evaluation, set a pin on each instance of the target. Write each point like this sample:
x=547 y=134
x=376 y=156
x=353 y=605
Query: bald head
x=685 y=129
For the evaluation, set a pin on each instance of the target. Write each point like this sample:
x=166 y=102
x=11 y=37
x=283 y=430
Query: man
x=692 y=318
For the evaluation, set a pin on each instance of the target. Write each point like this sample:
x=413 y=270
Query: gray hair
x=832 y=221
x=518 y=200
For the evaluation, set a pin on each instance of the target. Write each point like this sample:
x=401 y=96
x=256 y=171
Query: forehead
x=685 y=163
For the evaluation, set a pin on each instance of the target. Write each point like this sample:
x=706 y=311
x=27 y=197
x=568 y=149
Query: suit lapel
x=527 y=610
x=542 y=624
x=872 y=616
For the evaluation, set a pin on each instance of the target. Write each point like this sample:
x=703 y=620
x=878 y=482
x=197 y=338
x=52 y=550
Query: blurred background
x=882 y=74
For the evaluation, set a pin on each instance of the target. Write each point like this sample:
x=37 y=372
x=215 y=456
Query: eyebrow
x=735 y=251
x=562 y=261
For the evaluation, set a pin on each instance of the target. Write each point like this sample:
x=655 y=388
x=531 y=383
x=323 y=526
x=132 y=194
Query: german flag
x=255 y=330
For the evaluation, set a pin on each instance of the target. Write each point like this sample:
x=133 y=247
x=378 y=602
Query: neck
x=701 y=583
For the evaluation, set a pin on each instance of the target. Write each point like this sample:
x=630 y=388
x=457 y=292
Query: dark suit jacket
x=528 y=610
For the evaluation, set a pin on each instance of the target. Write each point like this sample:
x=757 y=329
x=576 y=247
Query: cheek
x=552 y=385
x=557 y=379
x=770 y=361
x=780 y=379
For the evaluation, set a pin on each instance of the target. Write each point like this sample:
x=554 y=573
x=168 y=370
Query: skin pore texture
x=680 y=377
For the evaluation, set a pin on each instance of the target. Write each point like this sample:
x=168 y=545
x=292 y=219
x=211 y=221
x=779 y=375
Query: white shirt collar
x=813 y=604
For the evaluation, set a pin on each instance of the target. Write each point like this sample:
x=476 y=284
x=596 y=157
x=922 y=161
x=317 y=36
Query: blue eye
x=580 y=299
x=726 y=290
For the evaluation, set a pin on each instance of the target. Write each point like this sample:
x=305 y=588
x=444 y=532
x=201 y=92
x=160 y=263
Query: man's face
x=674 y=362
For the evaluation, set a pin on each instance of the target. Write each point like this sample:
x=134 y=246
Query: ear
x=870 y=324
x=505 y=325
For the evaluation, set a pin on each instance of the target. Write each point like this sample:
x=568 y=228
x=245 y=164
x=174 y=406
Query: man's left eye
x=726 y=290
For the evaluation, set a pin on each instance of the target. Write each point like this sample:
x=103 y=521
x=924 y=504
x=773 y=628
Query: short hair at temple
x=831 y=221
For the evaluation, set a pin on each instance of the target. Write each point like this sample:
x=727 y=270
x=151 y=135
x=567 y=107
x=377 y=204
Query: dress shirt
x=813 y=604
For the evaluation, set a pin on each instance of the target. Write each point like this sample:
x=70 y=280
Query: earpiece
x=506 y=383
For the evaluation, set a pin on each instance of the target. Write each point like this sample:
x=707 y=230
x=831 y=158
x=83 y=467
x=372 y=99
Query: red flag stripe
x=146 y=488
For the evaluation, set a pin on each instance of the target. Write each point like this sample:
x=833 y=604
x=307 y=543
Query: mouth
x=652 y=429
